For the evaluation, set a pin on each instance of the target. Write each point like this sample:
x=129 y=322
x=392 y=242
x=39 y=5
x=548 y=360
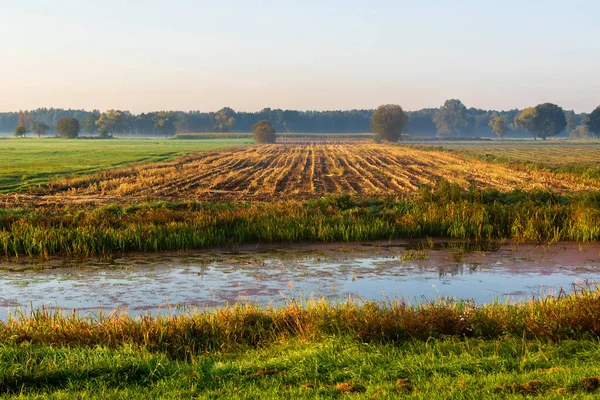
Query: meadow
x=31 y=162
x=552 y=152
x=579 y=157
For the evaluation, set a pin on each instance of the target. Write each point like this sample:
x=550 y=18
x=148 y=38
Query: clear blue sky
x=143 y=55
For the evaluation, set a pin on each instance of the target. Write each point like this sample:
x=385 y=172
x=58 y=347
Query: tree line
x=452 y=119
x=542 y=121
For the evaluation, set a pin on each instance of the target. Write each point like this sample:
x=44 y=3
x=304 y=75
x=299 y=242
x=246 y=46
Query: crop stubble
x=297 y=171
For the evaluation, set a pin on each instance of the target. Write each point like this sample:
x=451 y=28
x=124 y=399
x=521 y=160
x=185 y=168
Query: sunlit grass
x=26 y=162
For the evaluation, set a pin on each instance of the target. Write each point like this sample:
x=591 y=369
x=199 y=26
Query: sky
x=145 y=55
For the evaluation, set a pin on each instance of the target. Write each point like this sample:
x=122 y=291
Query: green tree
x=20 y=131
x=40 y=128
x=388 y=122
x=224 y=120
x=542 y=120
x=550 y=120
x=499 y=127
x=263 y=132
x=164 y=123
x=452 y=118
x=112 y=121
x=88 y=124
x=526 y=120
x=593 y=122
x=68 y=127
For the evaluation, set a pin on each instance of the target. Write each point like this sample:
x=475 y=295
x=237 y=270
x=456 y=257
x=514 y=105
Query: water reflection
x=379 y=271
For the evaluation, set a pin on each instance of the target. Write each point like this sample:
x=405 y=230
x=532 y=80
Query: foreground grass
x=330 y=368
x=544 y=349
x=26 y=162
x=160 y=226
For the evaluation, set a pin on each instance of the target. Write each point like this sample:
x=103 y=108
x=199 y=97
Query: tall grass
x=161 y=226
x=572 y=316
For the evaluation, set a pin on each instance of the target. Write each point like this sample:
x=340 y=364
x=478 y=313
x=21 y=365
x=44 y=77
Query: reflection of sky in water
x=212 y=279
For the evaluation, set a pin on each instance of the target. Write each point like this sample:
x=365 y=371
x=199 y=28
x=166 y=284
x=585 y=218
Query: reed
x=449 y=212
x=242 y=326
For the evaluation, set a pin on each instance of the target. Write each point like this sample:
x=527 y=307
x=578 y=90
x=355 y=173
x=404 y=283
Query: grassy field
x=581 y=158
x=25 y=162
x=550 y=152
x=542 y=349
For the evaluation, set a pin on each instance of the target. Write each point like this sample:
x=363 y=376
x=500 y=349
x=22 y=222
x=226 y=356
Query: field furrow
x=299 y=171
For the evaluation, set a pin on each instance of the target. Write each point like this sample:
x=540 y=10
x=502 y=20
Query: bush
x=263 y=132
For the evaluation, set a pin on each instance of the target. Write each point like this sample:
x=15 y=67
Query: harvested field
x=299 y=171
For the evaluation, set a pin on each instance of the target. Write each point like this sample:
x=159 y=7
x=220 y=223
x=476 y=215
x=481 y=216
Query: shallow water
x=370 y=271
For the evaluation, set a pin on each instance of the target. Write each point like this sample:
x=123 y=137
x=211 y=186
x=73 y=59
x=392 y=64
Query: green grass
x=544 y=348
x=333 y=368
x=25 y=162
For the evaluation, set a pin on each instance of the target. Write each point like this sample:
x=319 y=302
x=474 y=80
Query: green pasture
x=26 y=162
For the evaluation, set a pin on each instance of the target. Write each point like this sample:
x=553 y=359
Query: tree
x=581 y=132
x=526 y=120
x=593 y=122
x=224 y=120
x=263 y=132
x=452 y=118
x=68 y=127
x=571 y=118
x=112 y=121
x=88 y=123
x=164 y=122
x=388 y=122
x=542 y=120
x=20 y=131
x=499 y=127
x=40 y=128
x=25 y=120
x=550 y=120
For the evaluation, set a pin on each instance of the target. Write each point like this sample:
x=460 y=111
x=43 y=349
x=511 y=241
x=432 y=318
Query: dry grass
x=299 y=171
x=572 y=316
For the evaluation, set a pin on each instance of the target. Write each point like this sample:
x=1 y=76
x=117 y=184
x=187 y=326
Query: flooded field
x=371 y=271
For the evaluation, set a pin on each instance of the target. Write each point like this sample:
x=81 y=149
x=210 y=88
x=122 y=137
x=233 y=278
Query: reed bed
x=567 y=316
x=449 y=212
